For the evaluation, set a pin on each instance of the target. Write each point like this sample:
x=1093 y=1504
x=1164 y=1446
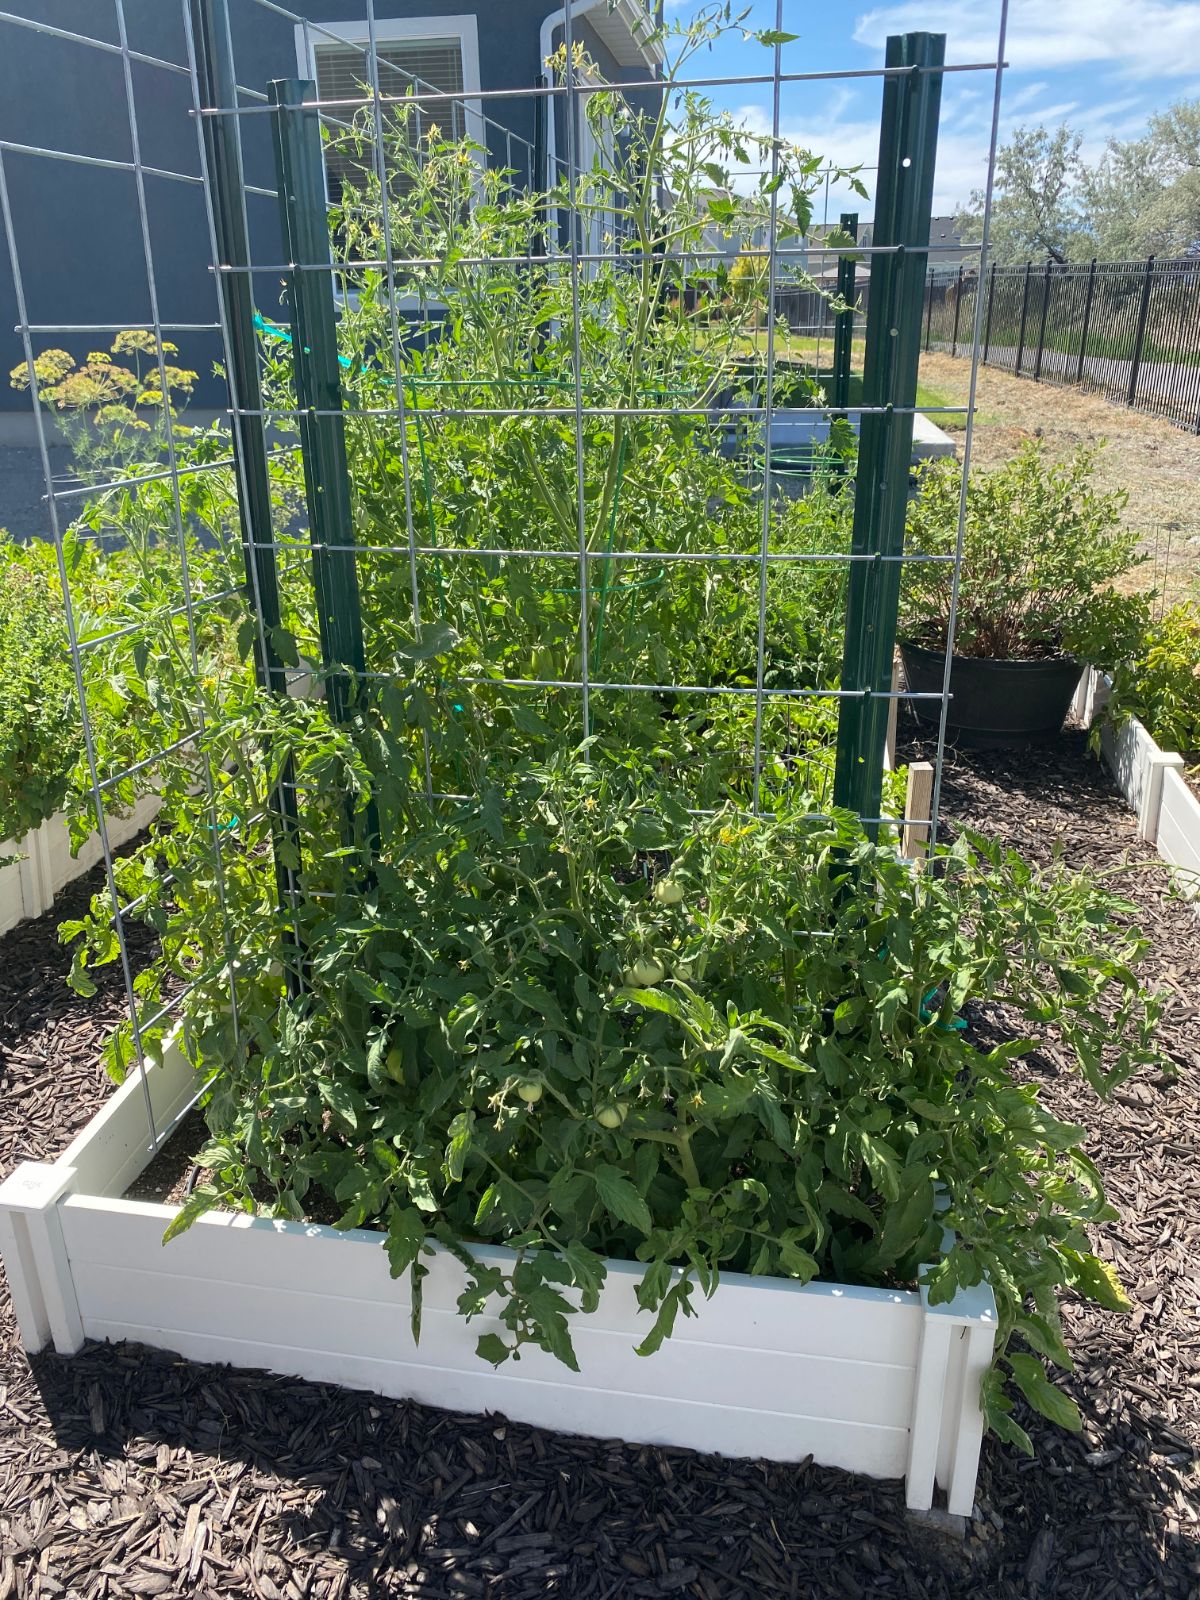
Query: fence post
x=957 y=308
x=987 y=333
x=304 y=223
x=1087 y=319
x=843 y=322
x=1139 y=339
x=1024 y=314
x=903 y=206
x=929 y=311
x=1037 y=370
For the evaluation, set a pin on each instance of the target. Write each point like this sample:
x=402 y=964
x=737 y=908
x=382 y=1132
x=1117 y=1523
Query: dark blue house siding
x=78 y=228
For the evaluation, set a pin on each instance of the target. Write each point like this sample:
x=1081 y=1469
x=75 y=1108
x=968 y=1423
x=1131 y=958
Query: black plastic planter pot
x=992 y=702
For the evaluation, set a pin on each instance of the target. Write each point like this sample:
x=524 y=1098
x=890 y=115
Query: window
x=438 y=54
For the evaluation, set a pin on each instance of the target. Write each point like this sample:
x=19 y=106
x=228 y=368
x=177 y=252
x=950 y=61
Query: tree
x=1144 y=196
x=1036 y=209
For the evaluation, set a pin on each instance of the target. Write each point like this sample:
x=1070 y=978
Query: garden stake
x=907 y=150
x=303 y=219
x=225 y=187
x=843 y=322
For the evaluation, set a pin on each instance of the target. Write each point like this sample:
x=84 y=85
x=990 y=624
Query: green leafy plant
x=656 y=480
x=149 y=663
x=1159 y=683
x=578 y=1020
x=39 y=714
x=1041 y=552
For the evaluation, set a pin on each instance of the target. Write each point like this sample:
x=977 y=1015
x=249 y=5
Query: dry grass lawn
x=1156 y=463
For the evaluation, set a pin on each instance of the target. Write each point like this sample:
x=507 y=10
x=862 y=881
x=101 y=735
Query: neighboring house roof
x=944 y=231
x=943 y=234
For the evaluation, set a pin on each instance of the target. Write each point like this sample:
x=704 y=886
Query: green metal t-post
x=305 y=223
x=907 y=151
x=843 y=322
x=217 y=88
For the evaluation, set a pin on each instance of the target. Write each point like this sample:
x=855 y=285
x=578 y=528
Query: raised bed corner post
x=903 y=207
x=304 y=222
x=216 y=87
x=843 y=322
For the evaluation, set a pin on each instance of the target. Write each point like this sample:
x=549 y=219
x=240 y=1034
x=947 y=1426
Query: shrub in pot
x=1041 y=552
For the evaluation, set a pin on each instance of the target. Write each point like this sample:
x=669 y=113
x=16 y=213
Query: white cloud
x=1137 y=38
x=845 y=130
x=1102 y=66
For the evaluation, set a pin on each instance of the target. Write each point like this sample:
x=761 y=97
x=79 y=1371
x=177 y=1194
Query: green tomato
x=394 y=1064
x=645 y=973
x=530 y=1091
x=612 y=1116
x=667 y=892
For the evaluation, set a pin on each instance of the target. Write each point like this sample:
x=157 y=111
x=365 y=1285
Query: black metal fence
x=811 y=311
x=1129 y=329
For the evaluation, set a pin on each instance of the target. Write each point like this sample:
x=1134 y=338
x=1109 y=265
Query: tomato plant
x=511 y=1037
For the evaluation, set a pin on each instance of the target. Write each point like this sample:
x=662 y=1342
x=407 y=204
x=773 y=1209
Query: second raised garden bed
x=45 y=865
x=1153 y=782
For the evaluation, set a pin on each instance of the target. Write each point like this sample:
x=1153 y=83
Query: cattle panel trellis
x=339 y=488
x=1129 y=330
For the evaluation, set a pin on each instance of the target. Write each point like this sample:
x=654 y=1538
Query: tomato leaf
x=619 y=1196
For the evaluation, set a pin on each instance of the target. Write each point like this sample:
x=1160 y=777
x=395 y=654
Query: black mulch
x=126 y=1472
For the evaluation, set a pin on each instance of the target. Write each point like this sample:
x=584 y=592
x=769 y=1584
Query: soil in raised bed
x=128 y=1472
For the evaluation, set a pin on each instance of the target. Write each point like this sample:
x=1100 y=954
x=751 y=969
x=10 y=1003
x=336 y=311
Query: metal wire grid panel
x=362 y=359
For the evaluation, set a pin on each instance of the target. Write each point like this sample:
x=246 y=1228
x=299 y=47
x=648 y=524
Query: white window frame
x=391 y=30
x=394 y=30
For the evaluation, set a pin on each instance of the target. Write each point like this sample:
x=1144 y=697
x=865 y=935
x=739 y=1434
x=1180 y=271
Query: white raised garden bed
x=1177 y=838
x=1153 y=783
x=29 y=885
x=870 y=1380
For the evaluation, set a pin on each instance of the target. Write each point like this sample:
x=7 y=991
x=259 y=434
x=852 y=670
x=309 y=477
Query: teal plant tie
x=955 y=1025
x=927 y=1012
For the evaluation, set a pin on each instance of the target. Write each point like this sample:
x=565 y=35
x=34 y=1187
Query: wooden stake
x=917 y=803
x=889 y=747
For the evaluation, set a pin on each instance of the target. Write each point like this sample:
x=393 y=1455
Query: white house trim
x=463 y=26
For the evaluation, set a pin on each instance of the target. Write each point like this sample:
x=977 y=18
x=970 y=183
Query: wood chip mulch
x=129 y=1472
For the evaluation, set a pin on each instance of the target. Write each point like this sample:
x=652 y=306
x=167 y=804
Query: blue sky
x=1103 y=66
